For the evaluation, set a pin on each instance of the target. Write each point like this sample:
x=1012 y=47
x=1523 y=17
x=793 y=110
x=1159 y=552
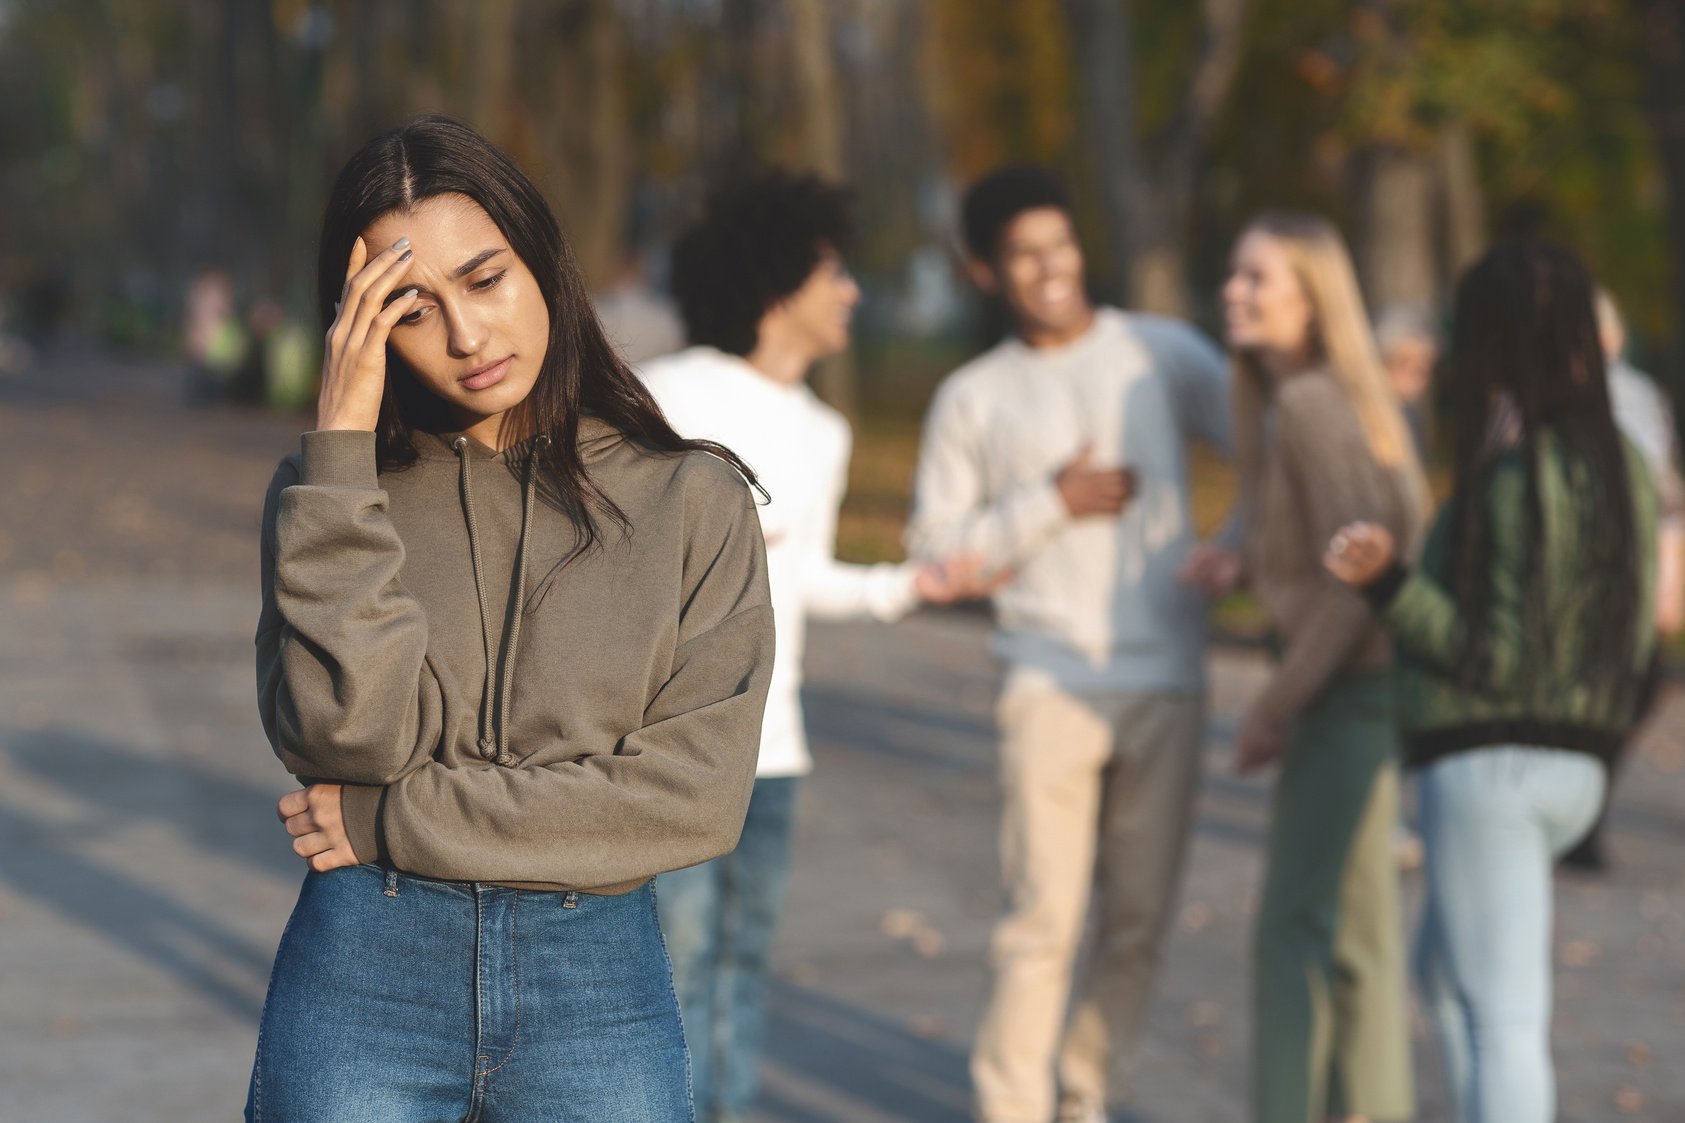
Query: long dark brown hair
x=581 y=372
x=1528 y=366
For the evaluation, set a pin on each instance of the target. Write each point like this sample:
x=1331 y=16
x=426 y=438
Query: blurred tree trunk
x=489 y=29
x=570 y=129
x=1000 y=76
x=602 y=240
x=1106 y=58
x=1664 y=58
x=818 y=139
x=819 y=125
x=729 y=118
x=1464 y=201
x=1148 y=189
x=1394 y=243
x=1419 y=211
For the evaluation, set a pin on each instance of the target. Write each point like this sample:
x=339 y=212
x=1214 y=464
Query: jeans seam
x=672 y=992
x=515 y=978
x=476 y=1102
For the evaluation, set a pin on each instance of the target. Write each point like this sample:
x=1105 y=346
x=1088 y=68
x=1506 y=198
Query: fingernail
x=401 y=243
x=406 y=255
x=409 y=293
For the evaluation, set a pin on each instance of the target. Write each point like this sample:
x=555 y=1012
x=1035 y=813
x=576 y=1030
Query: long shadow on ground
x=865 y=1059
x=41 y=858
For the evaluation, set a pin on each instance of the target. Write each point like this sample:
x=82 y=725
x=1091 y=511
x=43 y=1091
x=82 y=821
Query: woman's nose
x=464 y=334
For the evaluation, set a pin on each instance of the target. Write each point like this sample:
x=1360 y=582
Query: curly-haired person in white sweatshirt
x=765 y=295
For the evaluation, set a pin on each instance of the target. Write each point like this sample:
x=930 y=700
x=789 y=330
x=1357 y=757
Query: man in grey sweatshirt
x=1061 y=455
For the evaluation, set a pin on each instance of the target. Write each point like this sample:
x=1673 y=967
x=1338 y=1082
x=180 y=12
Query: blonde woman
x=1319 y=438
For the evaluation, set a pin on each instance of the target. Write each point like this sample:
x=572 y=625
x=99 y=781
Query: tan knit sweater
x=1318 y=474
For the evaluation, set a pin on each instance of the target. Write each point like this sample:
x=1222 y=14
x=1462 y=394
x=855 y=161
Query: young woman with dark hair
x=515 y=640
x=1526 y=631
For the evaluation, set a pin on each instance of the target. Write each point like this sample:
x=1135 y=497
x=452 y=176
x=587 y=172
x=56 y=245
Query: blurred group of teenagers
x=1497 y=643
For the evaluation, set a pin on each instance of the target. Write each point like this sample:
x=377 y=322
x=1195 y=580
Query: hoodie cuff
x=339 y=458
x=359 y=808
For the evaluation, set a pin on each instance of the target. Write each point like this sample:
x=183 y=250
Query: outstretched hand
x=354 y=359
x=958 y=577
x=1213 y=570
x=312 y=816
x=1360 y=552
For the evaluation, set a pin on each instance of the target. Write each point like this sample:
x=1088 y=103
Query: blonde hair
x=1342 y=340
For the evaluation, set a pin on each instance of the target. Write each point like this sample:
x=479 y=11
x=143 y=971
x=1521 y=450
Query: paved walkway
x=144 y=882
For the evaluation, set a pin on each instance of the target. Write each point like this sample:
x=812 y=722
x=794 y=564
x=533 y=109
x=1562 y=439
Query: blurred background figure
x=1409 y=344
x=213 y=338
x=283 y=362
x=15 y=353
x=1527 y=632
x=639 y=319
x=766 y=294
x=1322 y=442
x=1061 y=457
x=1644 y=416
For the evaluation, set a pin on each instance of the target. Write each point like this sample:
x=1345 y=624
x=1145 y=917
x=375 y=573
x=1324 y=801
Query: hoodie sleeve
x=671 y=794
x=344 y=688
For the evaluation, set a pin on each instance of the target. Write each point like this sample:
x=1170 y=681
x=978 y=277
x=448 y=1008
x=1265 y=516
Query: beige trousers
x=1098 y=800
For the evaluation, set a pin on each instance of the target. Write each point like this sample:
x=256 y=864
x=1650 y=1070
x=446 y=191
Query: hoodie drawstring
x=497 y=694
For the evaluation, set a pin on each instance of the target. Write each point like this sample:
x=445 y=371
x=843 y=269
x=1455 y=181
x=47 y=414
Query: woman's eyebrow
x=475 y=262
x=459 y=272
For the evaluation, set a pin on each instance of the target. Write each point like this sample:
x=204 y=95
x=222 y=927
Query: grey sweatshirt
x=604 y=732
x=1095 y=604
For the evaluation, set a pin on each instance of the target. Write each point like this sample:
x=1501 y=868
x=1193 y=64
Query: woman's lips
x=488 y=375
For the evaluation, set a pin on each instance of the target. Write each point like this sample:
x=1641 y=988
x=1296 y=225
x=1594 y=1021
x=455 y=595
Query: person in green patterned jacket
x=1524 y=634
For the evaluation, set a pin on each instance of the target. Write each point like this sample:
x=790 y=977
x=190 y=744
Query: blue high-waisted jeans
x=397 y=999
x=1494 y=821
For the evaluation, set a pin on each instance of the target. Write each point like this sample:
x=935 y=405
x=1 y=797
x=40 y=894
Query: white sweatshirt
x=799 y=447
x=1644 y=416
x=1095 y=603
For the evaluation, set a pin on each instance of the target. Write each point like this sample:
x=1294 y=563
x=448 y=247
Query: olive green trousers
x=1331 y=1024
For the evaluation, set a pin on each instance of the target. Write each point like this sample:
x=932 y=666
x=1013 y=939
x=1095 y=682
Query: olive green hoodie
x=500 y=706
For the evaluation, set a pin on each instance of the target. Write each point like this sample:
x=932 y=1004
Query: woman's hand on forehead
x=354 y=363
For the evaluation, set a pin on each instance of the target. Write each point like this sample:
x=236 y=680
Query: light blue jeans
x=398 y=999
x=719 y=919
x=1493 y=823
